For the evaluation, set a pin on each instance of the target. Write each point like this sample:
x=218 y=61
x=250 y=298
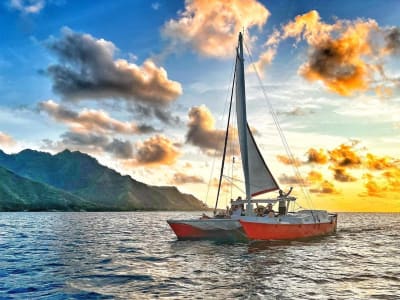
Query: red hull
x=265 y=231
x=188 y=232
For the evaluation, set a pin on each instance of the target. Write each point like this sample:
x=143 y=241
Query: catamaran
x=258 y=179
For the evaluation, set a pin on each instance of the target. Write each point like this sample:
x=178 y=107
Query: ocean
x=135 y=255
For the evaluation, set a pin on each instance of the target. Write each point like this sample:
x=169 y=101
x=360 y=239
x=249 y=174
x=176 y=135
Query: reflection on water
x=136 y=255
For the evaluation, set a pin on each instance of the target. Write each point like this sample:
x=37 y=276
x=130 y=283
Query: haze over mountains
x=73 y=181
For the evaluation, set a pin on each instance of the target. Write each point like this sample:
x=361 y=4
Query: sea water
x=135 y=255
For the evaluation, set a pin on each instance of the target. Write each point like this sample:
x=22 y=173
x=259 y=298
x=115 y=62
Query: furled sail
x=258 y=178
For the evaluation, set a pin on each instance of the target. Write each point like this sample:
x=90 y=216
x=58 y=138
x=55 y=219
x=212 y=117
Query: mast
x=225 y=143
x=242 y=119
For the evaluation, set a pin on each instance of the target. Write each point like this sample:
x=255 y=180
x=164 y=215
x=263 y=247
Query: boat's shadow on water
x=252 y=246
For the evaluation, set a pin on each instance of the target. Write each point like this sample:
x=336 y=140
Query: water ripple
x=136 y=256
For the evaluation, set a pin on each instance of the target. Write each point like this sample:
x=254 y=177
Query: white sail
x=261 y=179
x=258 y=178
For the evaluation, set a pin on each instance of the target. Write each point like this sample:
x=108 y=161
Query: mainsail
x=258 y=178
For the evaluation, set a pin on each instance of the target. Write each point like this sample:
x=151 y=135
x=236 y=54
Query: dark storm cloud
x=87 y=70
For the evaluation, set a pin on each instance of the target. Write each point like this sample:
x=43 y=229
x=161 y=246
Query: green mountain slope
x=81 y=175
x=18 y=193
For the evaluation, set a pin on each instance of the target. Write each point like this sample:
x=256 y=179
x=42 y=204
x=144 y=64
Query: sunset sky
x=143 y=87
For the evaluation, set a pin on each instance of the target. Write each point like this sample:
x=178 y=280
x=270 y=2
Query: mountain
x=18 y=193
x=81 y=175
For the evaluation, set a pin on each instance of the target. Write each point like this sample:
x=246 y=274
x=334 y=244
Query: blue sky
x=109 y=121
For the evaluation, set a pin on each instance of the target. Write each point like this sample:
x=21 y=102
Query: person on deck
x=269 y=211
x=237 y=211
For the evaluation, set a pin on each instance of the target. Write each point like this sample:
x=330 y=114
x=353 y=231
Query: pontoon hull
x=208 y=229
x=265 y=231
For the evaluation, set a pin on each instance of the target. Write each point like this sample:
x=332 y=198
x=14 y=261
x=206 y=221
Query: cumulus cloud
x=373 y=188
x=157 y=150
x=90 y=120
x=340 y=174
x=325 y=187
x=182 y=178
x=374 y=162
x=91 y=143
x=317 y=156
x=346 y=56
x=345 y=156
x=202 y=131
x=6 y=140
x=211 y=27
x=314 y=177
x=87 y=70
x=27 y=6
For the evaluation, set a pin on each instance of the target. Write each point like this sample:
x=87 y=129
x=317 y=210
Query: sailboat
x=258 y=179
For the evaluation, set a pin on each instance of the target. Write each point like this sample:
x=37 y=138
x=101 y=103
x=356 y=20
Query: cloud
x=202 y=131
x=120 y=149
x=392 y=39
x=345 y=156
x=317 y=156
x=374 y=189
x=374 y=162
x=27 y=6
x=286 y=179
x=288 y=161
x=314 y=177
x=211 y=27
x=91 y=143
x=346 y=56
x=340 y=174
x=181 y=178
x=6 y=140
x=157 y=150
x=325 y=187
x=263 y=61
x=87 y=70
x=155 y=5
x=297 y=112
x=90 y=120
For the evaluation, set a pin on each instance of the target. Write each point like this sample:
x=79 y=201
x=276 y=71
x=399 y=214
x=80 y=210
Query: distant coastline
x=73 y=181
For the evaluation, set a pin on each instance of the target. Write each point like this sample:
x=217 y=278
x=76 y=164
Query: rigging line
x=225 y=142
x=280 y=132
x=215 y=150
x=231 y=181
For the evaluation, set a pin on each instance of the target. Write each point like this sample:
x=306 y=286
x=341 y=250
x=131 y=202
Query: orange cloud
x=211 y=27
x=342 y=55
x=344 y=156
x=155 y=151
x=325 y=187
x=378 y=163
x=374 y=189
x=317 y=156
x=393 y=179
x=314 y=176
x=340 y=174
x=6 y=140
x=181 y=178
x=288 y=161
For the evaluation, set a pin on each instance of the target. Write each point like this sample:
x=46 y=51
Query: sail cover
x=261 y=179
